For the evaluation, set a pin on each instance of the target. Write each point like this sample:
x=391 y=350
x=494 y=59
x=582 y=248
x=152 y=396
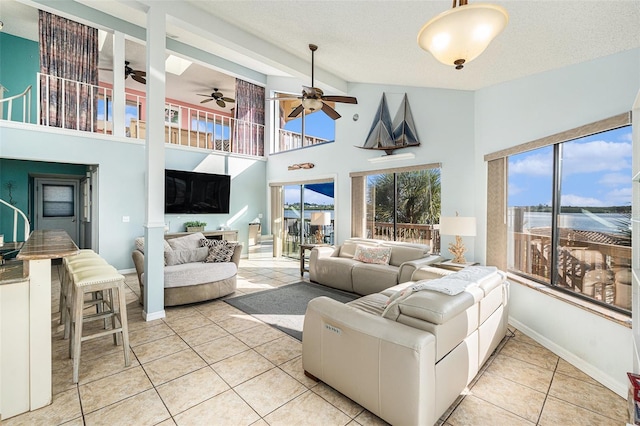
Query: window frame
x=359 y=194
x=497 y=204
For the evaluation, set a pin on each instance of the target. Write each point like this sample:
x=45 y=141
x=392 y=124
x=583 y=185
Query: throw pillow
x=188 y=242
x=139 y=242
x=178 y=257
x=377 y=255
x=219 y=250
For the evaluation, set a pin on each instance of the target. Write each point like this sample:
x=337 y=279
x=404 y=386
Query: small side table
x=303 y=256
x=448 y=264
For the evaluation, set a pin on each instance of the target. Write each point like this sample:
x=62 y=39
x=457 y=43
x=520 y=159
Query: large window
x=307 y=129
x=403 y=205
x=569 y=216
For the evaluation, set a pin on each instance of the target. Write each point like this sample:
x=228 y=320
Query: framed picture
x=172 y=115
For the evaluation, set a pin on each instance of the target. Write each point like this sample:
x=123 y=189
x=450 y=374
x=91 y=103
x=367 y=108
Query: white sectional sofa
x=408 y=361
x=336 y=266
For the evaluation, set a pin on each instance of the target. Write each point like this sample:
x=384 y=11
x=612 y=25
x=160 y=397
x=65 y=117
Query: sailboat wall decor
x=387 y=135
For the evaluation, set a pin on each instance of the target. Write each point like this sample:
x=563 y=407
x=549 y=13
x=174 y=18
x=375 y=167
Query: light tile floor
x=210 y=363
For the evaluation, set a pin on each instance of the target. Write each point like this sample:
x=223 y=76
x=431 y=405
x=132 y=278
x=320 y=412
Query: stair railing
x=27 y=226
x=26 y=105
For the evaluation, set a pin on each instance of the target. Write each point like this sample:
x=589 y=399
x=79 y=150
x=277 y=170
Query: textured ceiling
x=375 y=41
x=370 y=41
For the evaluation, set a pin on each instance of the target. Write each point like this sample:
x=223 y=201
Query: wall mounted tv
x=196 y=193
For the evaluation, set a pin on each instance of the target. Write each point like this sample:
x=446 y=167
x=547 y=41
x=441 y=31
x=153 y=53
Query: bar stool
x=97 y=298
x=104 y=279
x=82 y=254
x=71 y=263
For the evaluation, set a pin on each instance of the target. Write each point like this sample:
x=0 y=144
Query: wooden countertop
x=11 y=273
x=47 y=244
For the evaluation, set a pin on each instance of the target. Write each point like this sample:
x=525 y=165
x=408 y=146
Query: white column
x=118 y=100
x=154 y=228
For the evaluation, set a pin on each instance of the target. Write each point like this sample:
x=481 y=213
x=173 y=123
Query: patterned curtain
x=69 y=68
x=249 y=129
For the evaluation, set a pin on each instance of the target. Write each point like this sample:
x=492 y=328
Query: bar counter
x=25 y=323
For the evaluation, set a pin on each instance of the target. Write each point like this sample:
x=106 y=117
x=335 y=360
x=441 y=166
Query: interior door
x=57 y=206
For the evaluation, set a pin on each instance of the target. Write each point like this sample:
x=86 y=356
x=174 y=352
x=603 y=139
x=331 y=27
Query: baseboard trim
x=597 y=374
x=153 y=315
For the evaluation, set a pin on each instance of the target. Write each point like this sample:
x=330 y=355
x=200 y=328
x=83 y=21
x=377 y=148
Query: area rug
x=284 y=307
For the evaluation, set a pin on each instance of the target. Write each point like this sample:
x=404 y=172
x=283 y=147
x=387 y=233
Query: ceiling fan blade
x=204 y=101
x=140 y=73
x=332 y=113
x=296 y=111
x=221 y=103
x=138 y=79
x=224 y=98
x=106 y=69
x=343 y=99
x=200 y=94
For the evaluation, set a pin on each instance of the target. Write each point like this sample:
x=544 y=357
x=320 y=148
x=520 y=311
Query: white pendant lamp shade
x=312 y=104
x=461 y=34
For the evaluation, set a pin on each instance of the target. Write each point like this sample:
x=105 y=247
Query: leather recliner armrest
x=407 y=268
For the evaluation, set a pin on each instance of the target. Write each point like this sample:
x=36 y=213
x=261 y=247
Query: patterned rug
x=284 y=307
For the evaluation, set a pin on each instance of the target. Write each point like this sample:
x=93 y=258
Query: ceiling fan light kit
x=313 y=99
x=461 y=34
x=217 y=96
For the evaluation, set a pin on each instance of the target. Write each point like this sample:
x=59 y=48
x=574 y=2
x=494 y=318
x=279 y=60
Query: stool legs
x=117 y=308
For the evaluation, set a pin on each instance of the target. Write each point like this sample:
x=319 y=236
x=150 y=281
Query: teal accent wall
x=16 y=172
x=19 y=65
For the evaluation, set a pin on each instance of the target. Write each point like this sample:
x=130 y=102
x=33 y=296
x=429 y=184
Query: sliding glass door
x=308 y=216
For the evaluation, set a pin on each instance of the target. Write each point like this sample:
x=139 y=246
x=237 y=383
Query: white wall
x=530 y=108
x=444 y=123
x=121 y=171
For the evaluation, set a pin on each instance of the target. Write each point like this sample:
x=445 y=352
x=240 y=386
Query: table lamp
x=320 y=219
x=458 y=226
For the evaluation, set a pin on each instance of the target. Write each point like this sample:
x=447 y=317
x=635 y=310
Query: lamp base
x=319 y=237
x=457 y=250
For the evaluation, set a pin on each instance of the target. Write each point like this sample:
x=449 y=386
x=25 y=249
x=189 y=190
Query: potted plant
x=195 y=226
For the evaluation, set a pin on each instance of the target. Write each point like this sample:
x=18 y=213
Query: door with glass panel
x=308 y=216
x=56 y=205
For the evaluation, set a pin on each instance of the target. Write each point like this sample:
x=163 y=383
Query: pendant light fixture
x=461 y=34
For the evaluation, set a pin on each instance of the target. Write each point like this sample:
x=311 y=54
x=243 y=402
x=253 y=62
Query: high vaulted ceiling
x=368 y=41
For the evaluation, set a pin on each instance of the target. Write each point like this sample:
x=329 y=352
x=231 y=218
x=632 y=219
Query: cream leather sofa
x=335 y=266
x=410 y=364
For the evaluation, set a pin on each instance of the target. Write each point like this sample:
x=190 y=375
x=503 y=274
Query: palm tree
x=417 y=194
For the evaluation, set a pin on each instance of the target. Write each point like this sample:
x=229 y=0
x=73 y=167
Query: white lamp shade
x=312 y=104
x=457 y=225
x=320 y=218
x=463 y=32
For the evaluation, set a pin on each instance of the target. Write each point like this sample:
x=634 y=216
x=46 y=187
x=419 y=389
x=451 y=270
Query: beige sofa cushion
x=401 y=254
x=370 y=278
x=188 y=242
x=178 y=257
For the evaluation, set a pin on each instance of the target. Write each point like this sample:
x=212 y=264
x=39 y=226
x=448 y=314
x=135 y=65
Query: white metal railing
x=289 y=140
x=27 y=226
x=26 y=106
x=184 y=125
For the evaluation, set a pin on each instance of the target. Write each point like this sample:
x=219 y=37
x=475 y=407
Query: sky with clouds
x=596 y=172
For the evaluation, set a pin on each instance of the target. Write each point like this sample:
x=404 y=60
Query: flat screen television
x=197 y=193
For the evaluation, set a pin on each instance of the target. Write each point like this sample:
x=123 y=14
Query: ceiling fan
x=218 y=97
x=137 y=75
x=314 y=99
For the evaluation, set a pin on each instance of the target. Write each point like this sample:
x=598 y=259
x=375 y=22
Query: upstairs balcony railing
x=289 y=140
x=80 y=106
